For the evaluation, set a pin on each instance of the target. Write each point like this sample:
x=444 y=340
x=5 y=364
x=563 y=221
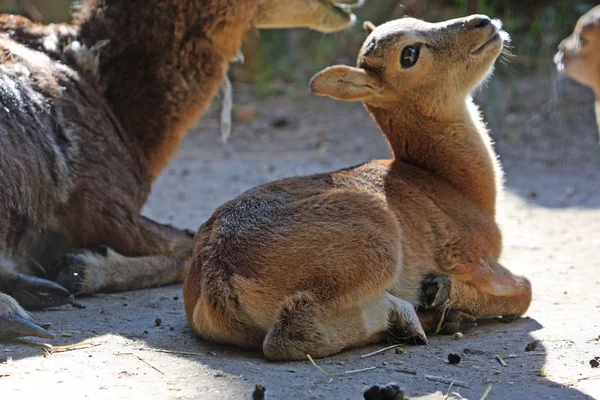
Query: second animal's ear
x=369 y=27
x=346 y=83
x=322 y=15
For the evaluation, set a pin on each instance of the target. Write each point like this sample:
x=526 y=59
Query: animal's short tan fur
x=579 y=54
x=321 y=263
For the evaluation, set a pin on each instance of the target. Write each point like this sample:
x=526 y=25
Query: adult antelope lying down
x=321 y=263
x=90 y=114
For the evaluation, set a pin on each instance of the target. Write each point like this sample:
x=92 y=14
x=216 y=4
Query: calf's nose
x=478 y=21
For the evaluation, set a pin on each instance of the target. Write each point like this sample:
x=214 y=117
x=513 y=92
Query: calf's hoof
x=404 y=324
x=435 y=291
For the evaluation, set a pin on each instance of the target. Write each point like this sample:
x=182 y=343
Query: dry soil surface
x=550 y=217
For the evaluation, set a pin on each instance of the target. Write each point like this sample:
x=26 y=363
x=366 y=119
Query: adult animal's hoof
x=36 y=294
x=71 y=272
x=15 y=322
x=13 y=326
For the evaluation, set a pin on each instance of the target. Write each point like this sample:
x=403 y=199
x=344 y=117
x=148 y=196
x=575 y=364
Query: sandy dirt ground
x=550 y=216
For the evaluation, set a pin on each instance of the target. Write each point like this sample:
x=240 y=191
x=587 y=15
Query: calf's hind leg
x=306 y=325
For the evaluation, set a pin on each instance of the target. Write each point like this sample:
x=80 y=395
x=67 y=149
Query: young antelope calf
x=321 y=263
x=578 y=55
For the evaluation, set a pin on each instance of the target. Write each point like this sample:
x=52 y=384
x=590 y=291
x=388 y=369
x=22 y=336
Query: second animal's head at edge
x=578 y=54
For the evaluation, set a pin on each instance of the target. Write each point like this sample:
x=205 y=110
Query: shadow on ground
x=550 y=219
x=133 y=351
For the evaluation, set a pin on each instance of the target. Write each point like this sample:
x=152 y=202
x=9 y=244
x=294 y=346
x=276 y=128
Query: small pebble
x=259 y=392
x=532 y=346
x=453 y=358
x=176 y=298
x=595 y=363
x=457 y=336
x=145 y=332
x=158 y=321
x=399 y=350
x=265 y=168
x=246 y=112
x=391 y=391
x=569 y=191
x=280 y=123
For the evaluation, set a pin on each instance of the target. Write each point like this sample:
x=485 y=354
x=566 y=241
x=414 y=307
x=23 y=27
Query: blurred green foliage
x=536 y=28
x=43 y=10
x=293 y=55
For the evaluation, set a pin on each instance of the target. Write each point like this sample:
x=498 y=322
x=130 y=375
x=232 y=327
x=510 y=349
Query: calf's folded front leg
x=488 y=290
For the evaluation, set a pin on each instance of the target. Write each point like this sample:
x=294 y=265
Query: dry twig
x=575 y=382
x=440 y=379
x=500 y=360
x=354 y=371
x=185 y=353
x=58 y=349
x=486 y=393
x=526 y=354
x=406 y=371
x=380 y=351
x=142 y=360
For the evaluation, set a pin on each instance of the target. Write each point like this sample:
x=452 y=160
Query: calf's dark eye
x=410 y=56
